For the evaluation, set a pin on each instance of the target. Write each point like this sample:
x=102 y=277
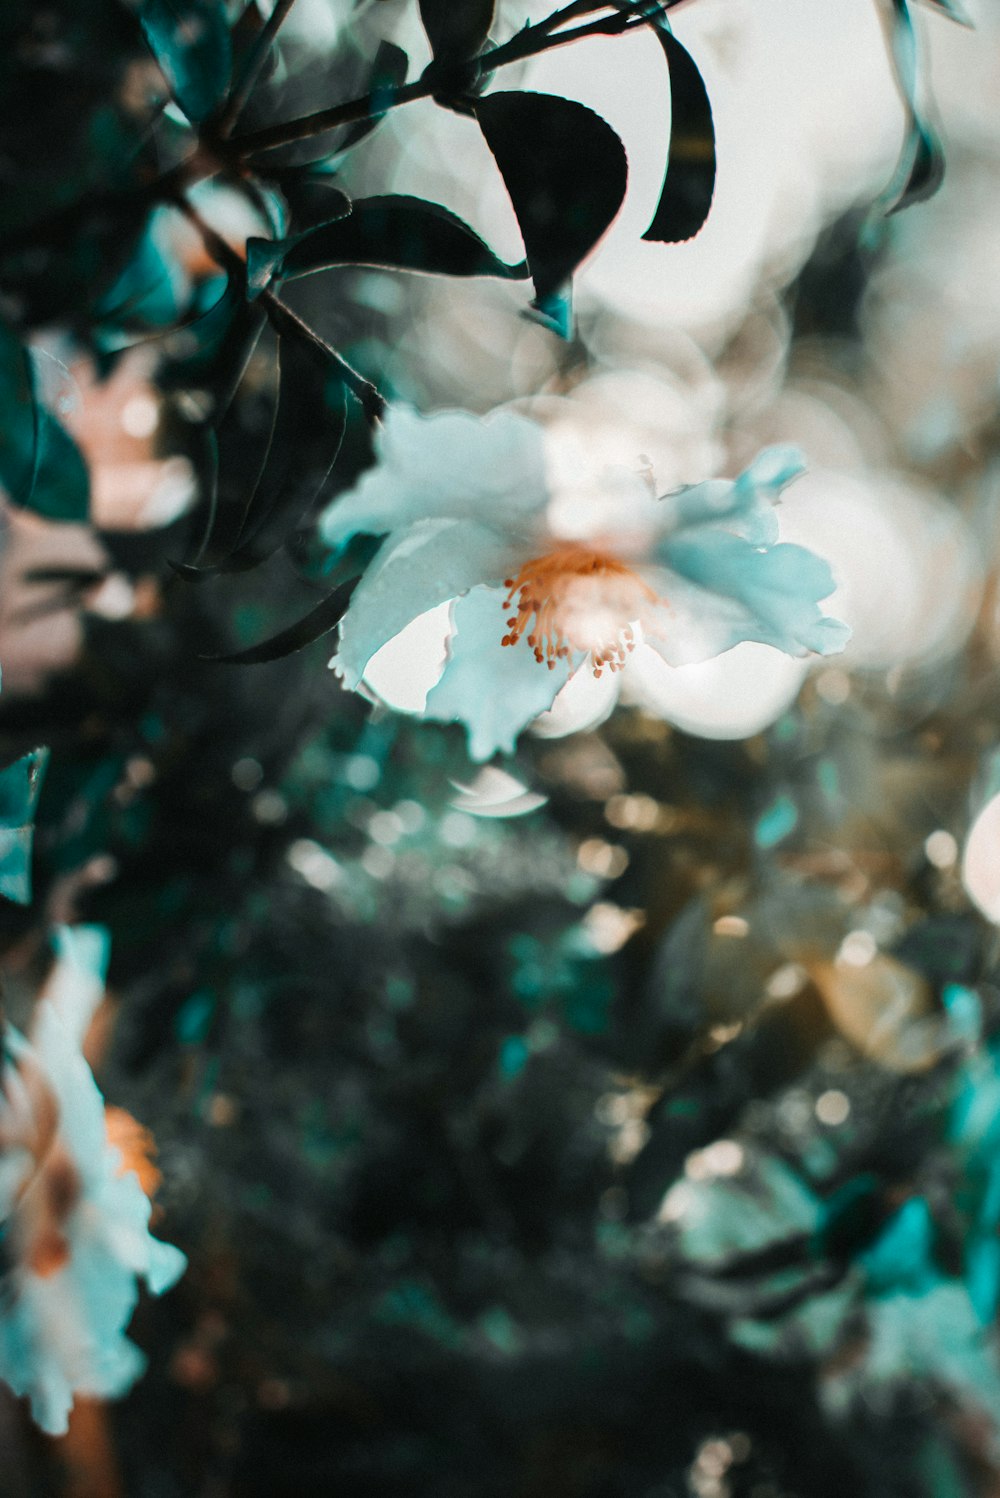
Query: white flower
x=75 y=1235
x=556 y=571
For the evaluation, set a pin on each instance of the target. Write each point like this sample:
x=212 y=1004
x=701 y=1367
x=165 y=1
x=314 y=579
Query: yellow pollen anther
x=576 y=600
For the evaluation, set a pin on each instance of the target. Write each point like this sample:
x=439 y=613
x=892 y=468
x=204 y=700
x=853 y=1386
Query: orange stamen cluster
x=575 y=600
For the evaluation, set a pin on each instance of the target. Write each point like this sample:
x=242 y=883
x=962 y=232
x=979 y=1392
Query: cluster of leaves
x=94 y=251
x=97 y=257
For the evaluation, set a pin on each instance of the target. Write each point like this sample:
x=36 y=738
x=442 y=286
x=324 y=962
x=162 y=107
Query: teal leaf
x=318 y=622
x=777 y=822
x=20 y=784
x=689 y=183
x=151 y=289
x=41 y=467
x=920 y=170
x=191 y=43
x=982 y=1275
x=389 y=69
x=456 y=29
x=901 y=1257
x=395 y=232
x=565 y=171
x=951 y=9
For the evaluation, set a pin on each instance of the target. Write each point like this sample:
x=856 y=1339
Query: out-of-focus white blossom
x=75 y=1218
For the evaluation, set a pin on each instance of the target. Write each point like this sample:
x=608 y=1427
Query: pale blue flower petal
x=774 y=590
x=431 y=563
x=76 y=986
x=495 y=691
x=424 y=472
x=64 y=1333
x=744 y=506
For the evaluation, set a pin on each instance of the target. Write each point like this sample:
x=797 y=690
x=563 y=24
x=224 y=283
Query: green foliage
x=190 y=40
x=317 y=623
x=689 y=184
x=388 y=73
x=398 y=233
x=921 y=166
x=41 y=467
x=565 y=171
x=456 y=29
x=20 y=786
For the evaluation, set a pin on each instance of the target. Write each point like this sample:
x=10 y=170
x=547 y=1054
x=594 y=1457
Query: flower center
x=575 y=600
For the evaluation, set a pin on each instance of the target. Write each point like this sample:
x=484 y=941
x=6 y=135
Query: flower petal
x=584 y=702
x=726 y=591
x=451 y=464
x=495 y=692
x=432 y=562
x=745 y=506
x=730 y=696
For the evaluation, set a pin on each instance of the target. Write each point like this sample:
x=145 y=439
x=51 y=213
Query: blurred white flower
x=559 y=569
x=74 y=1215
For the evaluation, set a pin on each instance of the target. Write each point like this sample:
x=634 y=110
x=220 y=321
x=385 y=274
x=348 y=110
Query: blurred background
x=622 y=1121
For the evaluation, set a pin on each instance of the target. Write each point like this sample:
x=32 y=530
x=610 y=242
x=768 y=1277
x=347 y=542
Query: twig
x=255 y=59
x=531 y=42
x=283 y=319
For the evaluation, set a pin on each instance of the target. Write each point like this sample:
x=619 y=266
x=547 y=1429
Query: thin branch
x=363 y=108
x=284 y=320
x=255 y=60
x=531 y=42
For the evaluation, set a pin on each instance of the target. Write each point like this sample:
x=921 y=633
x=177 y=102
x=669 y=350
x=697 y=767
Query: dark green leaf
x=191 y=43
x=400 y=233
x=388 y=73
x=312 y=198
x=20 y=784
x=565 y=171
x=308 y=429
x=689 y=184
x=921 y=165
x=212 y=352
x=41 y=467
x=150 y=291
x=456 y=29
x=309 y=421
x=318 y=622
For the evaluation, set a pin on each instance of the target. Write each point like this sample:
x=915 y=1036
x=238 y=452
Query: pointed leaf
x=20 y=785
x=388 y=73
x=921 y=165
x=41 y=467
x=565 y=171
x=399 y=233
x=318 y=622
x=456 y=29
x=689 y=183
x=310 y=417
x=308 y=431
x=216 y=348
x=191 y=43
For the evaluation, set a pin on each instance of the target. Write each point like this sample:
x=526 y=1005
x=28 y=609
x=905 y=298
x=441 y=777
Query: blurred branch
x=255 y=60
x=531 y=41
